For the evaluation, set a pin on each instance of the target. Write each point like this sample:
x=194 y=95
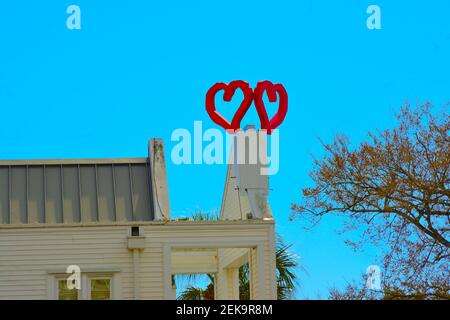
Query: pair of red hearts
x=249 y=96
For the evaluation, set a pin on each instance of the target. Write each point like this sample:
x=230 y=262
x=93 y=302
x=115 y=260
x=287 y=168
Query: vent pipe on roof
x=158 y=177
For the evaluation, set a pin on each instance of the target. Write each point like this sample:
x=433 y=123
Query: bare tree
x=395 y=188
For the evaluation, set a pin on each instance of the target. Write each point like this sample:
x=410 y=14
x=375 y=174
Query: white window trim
x=55 y=285
x=85 y=291
x=99 y=276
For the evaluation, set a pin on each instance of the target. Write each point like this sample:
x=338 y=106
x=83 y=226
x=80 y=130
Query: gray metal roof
x=75 y=191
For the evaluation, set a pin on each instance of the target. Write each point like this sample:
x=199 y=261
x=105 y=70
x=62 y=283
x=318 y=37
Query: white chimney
x=159 y=182
x=248 y=157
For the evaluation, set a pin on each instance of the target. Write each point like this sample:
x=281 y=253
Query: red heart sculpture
x=229 y=90
x=272 y=90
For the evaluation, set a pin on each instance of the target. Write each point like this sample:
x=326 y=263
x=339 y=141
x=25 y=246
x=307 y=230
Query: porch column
x=227 y=284
x=262 y=275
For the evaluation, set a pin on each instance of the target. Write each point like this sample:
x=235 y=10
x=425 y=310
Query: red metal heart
x=272 y=90
x=229 y=90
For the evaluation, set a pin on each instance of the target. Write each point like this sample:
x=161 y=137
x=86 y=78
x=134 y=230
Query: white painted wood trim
x=169 y=245
x=260 y=267
x=85 y=289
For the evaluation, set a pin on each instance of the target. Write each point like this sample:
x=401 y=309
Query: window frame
x=59 y=278
x=84 y=293
x=100 y=276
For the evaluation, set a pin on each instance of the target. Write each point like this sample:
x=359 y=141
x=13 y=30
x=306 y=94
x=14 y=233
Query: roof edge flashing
x=40 y=162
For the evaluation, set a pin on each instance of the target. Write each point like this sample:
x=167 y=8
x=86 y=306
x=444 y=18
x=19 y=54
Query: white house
x=111 y=218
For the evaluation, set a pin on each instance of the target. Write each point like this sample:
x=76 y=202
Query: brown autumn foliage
x=395 y=191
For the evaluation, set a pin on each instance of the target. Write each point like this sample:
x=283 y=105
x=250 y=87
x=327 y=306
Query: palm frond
x=286 y=262
x=192 y=293
x=205 y=216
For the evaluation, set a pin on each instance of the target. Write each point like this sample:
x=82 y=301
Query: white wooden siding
x=27 y=255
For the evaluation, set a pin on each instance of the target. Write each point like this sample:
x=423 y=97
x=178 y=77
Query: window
x=93 y=286
x=100 y=289
x=64 y=293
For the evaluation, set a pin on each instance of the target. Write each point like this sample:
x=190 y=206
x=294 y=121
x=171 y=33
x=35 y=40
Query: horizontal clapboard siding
x=28 y=254
x=27 y=257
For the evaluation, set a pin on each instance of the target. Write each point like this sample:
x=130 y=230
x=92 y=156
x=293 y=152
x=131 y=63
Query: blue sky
x=140 y=69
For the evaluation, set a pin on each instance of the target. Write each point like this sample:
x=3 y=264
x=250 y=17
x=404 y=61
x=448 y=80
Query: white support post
x=221 y=285
x=260 y=289
x=233 y=283
x=227 y=284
